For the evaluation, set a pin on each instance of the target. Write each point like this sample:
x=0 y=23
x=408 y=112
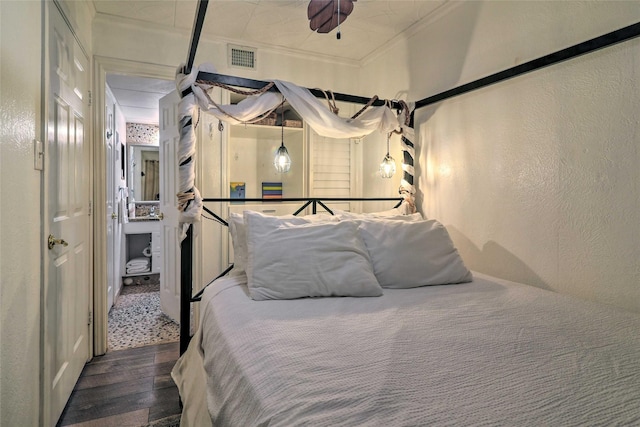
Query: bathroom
x=135 y=316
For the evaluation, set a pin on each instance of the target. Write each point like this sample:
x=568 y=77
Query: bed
x=192 y=83
x=478 y=351
x=385 y=349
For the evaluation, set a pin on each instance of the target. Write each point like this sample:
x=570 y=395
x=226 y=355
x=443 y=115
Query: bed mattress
x=489 y=352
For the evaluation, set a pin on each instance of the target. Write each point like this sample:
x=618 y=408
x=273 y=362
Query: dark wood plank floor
x=130 y=387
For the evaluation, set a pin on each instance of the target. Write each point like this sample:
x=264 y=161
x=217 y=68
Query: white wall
x=21 y=242
x=20 y=239
x=20 y=216
x=536 y=178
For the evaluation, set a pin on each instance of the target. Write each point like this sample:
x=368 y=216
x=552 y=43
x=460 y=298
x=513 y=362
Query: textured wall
x=139 y=133
x=20 y=242
x=536 y=178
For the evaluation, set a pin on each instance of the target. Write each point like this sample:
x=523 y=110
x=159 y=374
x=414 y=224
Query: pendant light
x=388 y=165
x=282 y=161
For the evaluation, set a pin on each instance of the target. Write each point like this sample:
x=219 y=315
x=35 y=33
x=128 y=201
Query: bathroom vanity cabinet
x=140 y=235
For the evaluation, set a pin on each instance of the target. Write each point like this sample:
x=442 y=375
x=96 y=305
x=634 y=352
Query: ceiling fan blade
x=317 y=6
x=321 y=18
x=346 y=7
x=330 y=24
x=323 y=14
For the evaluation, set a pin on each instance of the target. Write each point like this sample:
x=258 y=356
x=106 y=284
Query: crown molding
x=112 y=20
x=438 y=13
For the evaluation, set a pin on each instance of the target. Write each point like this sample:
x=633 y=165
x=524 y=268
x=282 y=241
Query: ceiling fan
x=325 y=15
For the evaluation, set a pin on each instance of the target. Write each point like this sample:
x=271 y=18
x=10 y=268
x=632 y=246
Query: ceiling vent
x=241 y=57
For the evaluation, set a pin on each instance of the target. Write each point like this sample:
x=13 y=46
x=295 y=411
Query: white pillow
x=311 y=260
x=238 y=230
x=408 y=254
x=392 y=214
x=239 y=240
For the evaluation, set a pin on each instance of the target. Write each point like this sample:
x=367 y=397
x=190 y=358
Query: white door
x=120 y=209
x=169 y=234
x=111 y=202
x=66 y=209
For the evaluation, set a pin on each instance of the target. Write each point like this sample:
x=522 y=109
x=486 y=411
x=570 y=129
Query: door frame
x=103 y=65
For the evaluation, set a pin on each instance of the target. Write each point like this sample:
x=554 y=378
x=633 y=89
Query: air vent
x=241 y=57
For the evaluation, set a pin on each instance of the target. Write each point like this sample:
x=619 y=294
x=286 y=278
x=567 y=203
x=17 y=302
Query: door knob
x=114 y=215
x=52 y=241
x=160 y=216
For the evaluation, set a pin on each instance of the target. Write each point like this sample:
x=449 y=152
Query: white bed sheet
x=489 y=352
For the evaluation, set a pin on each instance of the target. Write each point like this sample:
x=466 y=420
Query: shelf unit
x=138 y=236
x=251 y=151
x=135 y=245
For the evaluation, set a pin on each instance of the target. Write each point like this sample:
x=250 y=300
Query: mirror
x=144 y=173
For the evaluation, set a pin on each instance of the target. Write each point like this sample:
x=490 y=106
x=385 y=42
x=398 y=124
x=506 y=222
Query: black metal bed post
x=186 y=288
x=186 y=246
x=186 y=256
x=301 y=208
x=259 y=84
x=407 y=158
x=198 y=21
x=605 y=40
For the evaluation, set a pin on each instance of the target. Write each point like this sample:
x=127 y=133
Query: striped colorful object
x=272 y=190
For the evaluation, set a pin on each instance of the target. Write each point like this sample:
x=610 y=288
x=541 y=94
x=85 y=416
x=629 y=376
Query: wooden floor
x=130 y=387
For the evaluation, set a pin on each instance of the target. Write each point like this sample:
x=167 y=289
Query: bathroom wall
x=140 y=133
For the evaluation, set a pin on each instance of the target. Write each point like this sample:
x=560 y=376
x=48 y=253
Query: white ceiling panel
x=138 y=96
x=279 y=24
x=148 y=116
x=159 y=12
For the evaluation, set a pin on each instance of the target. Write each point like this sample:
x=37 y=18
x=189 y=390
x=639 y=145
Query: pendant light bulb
x=388 y=165
x=282 y=161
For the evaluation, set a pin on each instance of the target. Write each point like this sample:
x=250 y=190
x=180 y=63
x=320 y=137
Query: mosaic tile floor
x=136 y=320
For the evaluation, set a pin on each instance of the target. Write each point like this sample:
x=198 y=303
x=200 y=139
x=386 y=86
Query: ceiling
x=281 y=23
x=138 y=96
x=266 y=24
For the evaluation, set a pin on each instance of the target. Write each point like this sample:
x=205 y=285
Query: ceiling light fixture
x=282 y=161
x=388 y=165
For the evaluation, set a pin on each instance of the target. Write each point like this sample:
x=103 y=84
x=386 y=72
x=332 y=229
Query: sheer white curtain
x=314 y=112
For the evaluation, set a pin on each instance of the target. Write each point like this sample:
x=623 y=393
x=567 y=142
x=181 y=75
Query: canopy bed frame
x=487 y=304
x=186 y=275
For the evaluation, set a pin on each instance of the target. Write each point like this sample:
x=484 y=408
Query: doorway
x=131 y=87
x=134 y=256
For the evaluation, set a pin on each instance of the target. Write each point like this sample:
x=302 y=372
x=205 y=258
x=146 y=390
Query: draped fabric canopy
x=314 y=112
